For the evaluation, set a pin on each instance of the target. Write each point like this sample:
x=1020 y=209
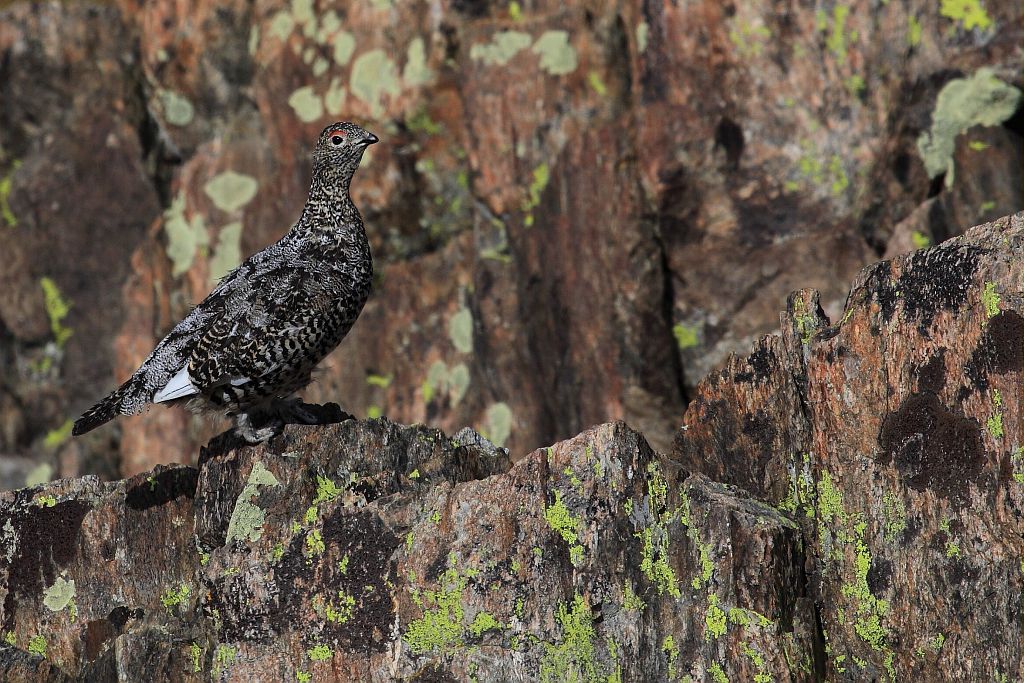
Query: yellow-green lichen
x=278 y=552
x=717 y=675
x=223 y=657
x=920 y=240
x=59 y=595
x=184 y=237
x=5 y=196
x=557 y=55
x=894 y=513
x=541 y=178
x=326 y=490
x=382 y=381
x=643 y=31
x=44 y=501
x=757 y=659
x=714 y=619
x=57 y=308
x=994 y=423
x=440 y=628
x=967 y=13
x=597 y=83
x=567 y=526
x=671 y=650
x=707 y=567
x=173 y=597
x=869 y=610
x=1017 y=464
x=230 y=191
x=195 y=654
x=914 y=31
x=314 y=543
x=990 y=299
x=342 y=611
x=572 y=658
x=247 y=518
x=979 y=100
x=484 y=621
x=460 y=330
x=686 y=337
x=374 y=75
x=319 y=653
x=836 y=40
x=55 y=438
x=303 y=677
x=504 y=46
x=37 y=646
x=630 y=600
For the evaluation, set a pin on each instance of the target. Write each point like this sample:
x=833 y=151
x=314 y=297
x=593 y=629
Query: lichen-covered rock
x=894 y=438
x=368 y=551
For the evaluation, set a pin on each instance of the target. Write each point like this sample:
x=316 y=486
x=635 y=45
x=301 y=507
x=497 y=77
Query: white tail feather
x=179 y=386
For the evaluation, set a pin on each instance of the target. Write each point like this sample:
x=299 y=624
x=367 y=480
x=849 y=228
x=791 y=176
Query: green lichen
x=757 y=659
x=184 y=237
x=643 y=32
x=671 y=650
x=968 y=13
x=920 y=240
x=567 y=526
x=913 y=31
x=278 y=552
x=836 y=40
x=306 y=104
x=326 y=490
x=894 y=513
x=314 y=543
x=717 y=675
x=57 y=308
x=5 y=196
x=839 y=180
x=990 y=299
x=410 y=539
x=572 y=657
x=59 y=595
x=630 y=600
x=980 y=100
x=319 y=653
x=230 y=191
x=223 y=657
x=381 y=381
x=707 y=567
x=686 y=337
x=55 y=438
x=1017 y=464
x=173 y=597
x=541 y=178
x=195 y=654
x=44 y=501
x=303 y=677
x=460 y=330
x=342 y=611
x=597 y=83
x=749 y=39
x=374 y=75
x=869 y=610
x=247 y=518
x=557 y=55
x=937 y=642
x=178 y=110
x=714 y=619
x=503 y=47
x=37 y=646
x=440 y=628
x=484 y=621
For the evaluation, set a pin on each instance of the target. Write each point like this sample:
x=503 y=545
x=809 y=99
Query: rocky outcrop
x=577 y=211
x=844 y=503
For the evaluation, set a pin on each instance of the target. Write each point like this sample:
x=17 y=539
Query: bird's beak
x=370 y=139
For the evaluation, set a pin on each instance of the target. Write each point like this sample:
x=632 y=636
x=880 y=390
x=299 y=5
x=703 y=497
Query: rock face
x=844 y=503
x=577 y=212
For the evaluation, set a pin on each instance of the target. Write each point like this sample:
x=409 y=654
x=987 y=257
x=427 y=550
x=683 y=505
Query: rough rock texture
x=867 y=526
x=577 y=211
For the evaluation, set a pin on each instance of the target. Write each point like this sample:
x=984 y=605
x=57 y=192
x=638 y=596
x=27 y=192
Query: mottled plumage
x=257 y=337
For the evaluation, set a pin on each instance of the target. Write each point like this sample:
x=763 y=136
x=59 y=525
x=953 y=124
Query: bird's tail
x=103 y=412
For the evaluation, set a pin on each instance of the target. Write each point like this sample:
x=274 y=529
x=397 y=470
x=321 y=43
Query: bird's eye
x=337 y=139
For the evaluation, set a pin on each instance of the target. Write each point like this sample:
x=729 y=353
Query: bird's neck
x=329 y=206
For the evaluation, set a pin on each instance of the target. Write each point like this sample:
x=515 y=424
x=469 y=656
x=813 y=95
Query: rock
x=577 y=212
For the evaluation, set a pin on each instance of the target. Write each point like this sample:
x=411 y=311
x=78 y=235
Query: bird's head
x=341 y=145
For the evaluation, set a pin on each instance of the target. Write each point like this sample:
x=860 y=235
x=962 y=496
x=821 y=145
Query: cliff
x=577 y=210
x=843 y=503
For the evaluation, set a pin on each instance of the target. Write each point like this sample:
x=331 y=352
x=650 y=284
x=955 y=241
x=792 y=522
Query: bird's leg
x=252 y=434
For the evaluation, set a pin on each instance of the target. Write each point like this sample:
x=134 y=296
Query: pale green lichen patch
x=714 y=619
x=184 y=237
x=630 y=600
x=195 y=654
x=895 y=516
x=837 y=37
x=173 y=597
x=497 y=423
x=228 y=252
x=319 y=653
x=540 y=180
x=5 y=196
x=40 y=474
x=654 y=537
x=686 y=337
x=178 y=110
x=920 y=240
x=504 y=46
x=568 y=527
x=223 y=657
x=995 y=420
x=980 y=100
x=460 y=330
x=306 y=103
x=440 y=628
x=717 y=674
x=247 y=518
x=557 y=55
x=482 y=622
x=374 y=75
x=415 y=71
x=57 y=308
x=1017 y=464
x=914 y=31
x=37 y=646
x=59 y=595
x=281 y=25
x=643 y=31
x=967 y=13
x=344 y=44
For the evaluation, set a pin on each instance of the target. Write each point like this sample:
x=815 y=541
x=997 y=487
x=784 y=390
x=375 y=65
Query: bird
x=256 y=338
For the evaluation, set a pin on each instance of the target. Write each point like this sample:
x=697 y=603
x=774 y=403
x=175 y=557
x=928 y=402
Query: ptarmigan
x=256 y=338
